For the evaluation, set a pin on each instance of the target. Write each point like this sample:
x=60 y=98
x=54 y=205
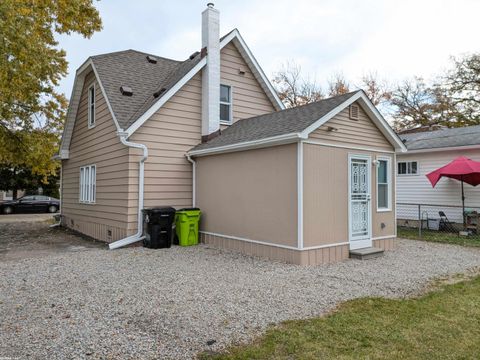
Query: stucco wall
x=250 y=194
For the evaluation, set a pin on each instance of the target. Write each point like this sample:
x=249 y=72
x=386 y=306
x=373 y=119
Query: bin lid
x=189 y=209
x=159 y=210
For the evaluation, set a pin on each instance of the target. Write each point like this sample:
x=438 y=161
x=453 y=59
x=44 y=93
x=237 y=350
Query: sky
x=394 y=39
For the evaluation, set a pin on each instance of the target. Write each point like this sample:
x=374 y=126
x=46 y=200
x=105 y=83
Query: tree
x=293 y=89
x=338 y=85
x=377 y=90
x=31 y=65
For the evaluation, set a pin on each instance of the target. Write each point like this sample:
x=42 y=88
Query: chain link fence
x=442 y=223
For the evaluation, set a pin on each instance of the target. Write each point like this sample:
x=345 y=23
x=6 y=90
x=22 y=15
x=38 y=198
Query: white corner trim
x=168 y=95
x=373 y=112
x=235 y=34
x=248 y=145
x=349 y=147
x=300 y=194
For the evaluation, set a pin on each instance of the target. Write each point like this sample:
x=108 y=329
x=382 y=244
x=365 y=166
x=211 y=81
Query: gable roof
x=444 y=138
x=291 y=125
x=131 y=68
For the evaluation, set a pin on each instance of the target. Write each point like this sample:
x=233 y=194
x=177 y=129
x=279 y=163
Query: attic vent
x=191 y=57
x=126 y=90
x=159 y=92
x=354 y=112
x=152 y=59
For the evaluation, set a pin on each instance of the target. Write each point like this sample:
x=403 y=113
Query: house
x=298 y=185
x=428 y=151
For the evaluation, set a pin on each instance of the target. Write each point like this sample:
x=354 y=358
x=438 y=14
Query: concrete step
x=366 y=253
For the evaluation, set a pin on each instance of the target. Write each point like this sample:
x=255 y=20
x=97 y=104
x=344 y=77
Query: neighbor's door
x=360 y=207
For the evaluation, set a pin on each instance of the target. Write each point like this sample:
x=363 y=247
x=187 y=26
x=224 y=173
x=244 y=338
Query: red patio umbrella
x=463 y=169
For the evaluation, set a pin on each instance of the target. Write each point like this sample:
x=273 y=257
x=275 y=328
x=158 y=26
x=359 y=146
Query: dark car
x=31 y=203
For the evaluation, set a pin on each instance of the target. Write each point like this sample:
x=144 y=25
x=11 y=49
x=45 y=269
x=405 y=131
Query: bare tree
x=293 y=89
x=377 y=90
x=338 y=85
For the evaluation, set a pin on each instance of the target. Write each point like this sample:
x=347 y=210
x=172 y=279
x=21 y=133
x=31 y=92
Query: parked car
x=31 y=203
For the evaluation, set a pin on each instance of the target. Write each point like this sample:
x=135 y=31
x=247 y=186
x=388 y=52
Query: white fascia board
x=168 y=95
x=235 y=34
x=371 y=110
x=248 y=145
x=451 y=148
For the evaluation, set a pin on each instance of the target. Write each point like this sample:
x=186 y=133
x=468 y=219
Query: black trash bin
x=158 y=227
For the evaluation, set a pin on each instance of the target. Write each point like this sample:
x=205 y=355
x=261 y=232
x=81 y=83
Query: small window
x=226 y=104
x=384 y=184
x=407 y=168
x=88 y=180
x=91 y=106
x=354 y=112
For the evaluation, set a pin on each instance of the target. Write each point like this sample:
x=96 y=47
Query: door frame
x=367 y=241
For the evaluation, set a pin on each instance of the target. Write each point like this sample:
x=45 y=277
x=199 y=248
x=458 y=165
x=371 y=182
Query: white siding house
x=428 y=152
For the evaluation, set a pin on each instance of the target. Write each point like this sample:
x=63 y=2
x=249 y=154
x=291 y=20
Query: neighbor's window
x=226 y=103
x=407 y=168
x=91 y=106
x=88 y=178
x=384 y=184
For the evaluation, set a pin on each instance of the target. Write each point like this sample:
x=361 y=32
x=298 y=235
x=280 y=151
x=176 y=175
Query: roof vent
x=152 y=59
x=156 y=94
x=354 y=112
x=126 y=90
x=194 y=55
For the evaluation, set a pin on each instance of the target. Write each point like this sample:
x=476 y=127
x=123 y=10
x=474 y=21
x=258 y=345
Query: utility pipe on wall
x=194 y=168
x=141 y=177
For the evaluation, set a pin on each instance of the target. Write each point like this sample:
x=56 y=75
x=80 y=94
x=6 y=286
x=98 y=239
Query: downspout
x=194 y=168
x=141 y=173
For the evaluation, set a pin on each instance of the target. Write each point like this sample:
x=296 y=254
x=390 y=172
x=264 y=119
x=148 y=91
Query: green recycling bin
x=186 y=223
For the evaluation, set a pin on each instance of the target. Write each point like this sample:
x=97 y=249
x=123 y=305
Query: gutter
x=141 y=177
x=194 y=168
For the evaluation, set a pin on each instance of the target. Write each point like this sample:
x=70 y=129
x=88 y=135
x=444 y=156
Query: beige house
x=302 y=185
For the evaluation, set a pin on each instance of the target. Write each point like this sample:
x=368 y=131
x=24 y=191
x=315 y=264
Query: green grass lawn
x=438 y=236
x=442 y=324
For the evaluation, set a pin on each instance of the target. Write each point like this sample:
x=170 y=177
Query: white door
x=359 y=207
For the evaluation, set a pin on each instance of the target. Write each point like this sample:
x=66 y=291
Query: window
x=384 y=181
x=91 y=106
x=407 y=168
x=226 y=104
x=88 y=179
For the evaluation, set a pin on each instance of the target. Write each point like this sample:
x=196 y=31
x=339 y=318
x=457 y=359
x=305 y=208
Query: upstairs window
x=407 y=168
x=384 y=181
x=226 y=104
x=88 y=179
x=91 y=106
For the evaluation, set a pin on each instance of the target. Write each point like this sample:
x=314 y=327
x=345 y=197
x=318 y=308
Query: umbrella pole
x=463 y=208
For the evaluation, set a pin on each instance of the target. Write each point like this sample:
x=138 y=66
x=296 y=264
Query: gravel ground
x=138 y=303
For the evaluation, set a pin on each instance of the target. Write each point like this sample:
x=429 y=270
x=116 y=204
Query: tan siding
x=250 y=194
x=99 y=146
x=249 y=99
x=361 y=132
x=326 y=196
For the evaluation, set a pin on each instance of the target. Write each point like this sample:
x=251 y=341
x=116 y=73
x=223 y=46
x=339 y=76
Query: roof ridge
x=136 y=51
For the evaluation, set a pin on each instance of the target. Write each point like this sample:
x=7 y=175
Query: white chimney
x=211 y=72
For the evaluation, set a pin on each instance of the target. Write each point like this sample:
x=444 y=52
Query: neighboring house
x=8 y=195
x=298 y=185
x=428 y=151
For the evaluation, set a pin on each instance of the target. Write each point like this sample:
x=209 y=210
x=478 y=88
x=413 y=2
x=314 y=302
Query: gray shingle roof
x=442 y=138
x=131 y=68
x=282 y=122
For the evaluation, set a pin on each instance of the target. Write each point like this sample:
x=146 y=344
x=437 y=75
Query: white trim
x=272 y=244
x=300 y=194
x=194 y=171
x=247 y=145
x=249 y=240
x=367 y=242
x=384 y=237
x=91 y=121
x=230 y=87
x=395 y=193
x=452 y=148
x=168 y=95
x=235 y=34
x=371 y=110
x=87 y=186
x=316 y=142
x=388 y=159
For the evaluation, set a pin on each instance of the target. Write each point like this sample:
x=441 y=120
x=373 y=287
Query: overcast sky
x=397 y=39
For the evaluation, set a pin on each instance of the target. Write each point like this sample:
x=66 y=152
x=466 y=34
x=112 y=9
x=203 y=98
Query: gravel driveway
x=138 y=303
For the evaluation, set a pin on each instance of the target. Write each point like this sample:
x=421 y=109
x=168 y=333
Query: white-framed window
x=407 y=168
x=384 y=183
x=91 y=106
x=88 y=179
x=226 y=104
